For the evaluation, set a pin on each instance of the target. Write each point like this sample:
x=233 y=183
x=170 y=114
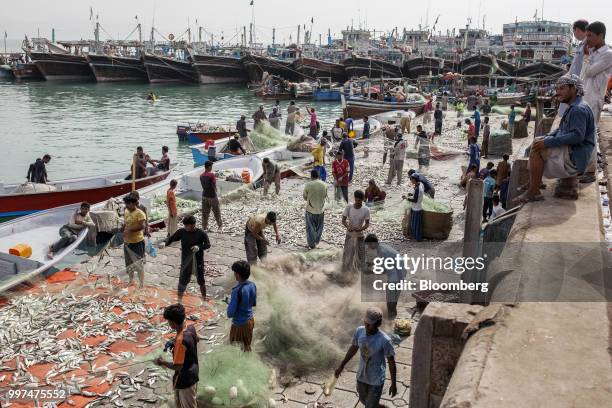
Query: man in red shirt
x=210 y=201
x=340 y=170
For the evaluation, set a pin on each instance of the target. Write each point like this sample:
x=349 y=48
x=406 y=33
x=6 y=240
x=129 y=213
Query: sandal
x=528 y=198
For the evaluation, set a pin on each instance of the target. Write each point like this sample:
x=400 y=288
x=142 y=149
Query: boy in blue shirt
x=374 y=346
x=489 y=188
x=240 y=307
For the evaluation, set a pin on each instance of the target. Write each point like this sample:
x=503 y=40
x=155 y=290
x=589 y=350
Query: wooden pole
x=471 y=234
x=134 y=172
x=518 y=177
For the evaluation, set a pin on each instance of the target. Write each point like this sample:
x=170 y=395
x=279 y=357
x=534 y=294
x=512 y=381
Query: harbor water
x=92 y=128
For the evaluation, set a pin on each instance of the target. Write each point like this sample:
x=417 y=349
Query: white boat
x=190 y=188
x=392 y=117
x=37 y=230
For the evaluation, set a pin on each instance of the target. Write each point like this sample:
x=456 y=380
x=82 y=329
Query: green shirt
x=315 y=194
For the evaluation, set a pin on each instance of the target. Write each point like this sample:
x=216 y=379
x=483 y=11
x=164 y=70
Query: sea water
x=94 y=128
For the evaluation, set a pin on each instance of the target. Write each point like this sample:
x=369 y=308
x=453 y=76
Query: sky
x=71 y=18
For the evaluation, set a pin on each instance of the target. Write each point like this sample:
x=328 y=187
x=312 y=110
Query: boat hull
x=312 y=68
x=62 y=67
x=15 y=205
x=107 y=68
x=213 y=69
x=201 y=137
x=256 y=65
x=163 y=70
x=359 y=109
x=6 y=72
x=370 y=68
x=28 y=71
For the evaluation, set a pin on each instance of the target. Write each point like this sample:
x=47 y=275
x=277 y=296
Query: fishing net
x=232 y=378
x=295 y=335
x=26 y=188
x=266 y=136
x=159 y=208
x=505 y=110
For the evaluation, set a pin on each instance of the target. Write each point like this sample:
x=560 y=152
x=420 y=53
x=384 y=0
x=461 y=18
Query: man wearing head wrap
x=565 y=152
x=374 y=346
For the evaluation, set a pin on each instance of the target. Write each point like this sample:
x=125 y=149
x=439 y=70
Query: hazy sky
x=70 y=18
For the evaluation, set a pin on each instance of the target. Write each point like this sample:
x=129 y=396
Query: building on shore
x=538 y=41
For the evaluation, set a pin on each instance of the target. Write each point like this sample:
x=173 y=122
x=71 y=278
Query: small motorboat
x=210 y=151
x=22 y=199
x=200 y=132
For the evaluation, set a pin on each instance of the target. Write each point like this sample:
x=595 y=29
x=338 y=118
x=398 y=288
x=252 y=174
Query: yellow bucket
x=22 y=250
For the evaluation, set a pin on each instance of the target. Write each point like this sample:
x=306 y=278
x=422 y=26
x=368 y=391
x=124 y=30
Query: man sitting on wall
x=564 y=153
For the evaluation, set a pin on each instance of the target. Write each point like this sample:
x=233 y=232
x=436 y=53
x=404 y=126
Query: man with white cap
x=565 y=152
x=374 y=347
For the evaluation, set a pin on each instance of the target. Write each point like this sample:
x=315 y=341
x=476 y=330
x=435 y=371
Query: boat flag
x=311 y=20
x=252 y=1
x=90 y=12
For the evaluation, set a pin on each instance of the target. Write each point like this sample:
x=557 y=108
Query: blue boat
x=327 y=95
x=201 y=155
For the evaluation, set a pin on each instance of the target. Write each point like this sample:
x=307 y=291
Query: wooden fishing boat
x=312 y=68
x=358 y=107
x=56 y=66
x=27 y=71
x=91 y=189
x=256 y=65
x=219 y=69
x=109 y=68
x=39 y=231
x=371 y=68
x=162 y=69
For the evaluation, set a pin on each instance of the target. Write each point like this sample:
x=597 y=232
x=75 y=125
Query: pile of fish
x=32 y=327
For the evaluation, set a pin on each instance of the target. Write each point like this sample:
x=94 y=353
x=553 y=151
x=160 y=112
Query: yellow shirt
x=342 y=125
x=132 y=219
x=319 y=155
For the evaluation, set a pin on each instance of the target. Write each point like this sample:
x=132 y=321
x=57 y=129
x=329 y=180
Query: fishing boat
x=373 y=68
x=6 y=72
x=219 y=69
x=540 y=70
x=110 y=68
x=202 y=153
x=27 y=71
x=63 y=61
x=162 y=69
x=91 y=189
x=426 y=66
x=256 y=65
x=210 y=133
x=312 y=68
x=39 y=231
x=358 y=106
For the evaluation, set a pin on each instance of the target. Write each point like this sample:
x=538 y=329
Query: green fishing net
x=505 y=110
x=430 y=205
x=293 y=342
x=226 y=367
x=159 y=209
x=266 y=136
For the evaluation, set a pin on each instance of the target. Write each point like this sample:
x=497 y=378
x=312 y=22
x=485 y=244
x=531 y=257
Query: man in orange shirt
x=184 y=358
x=171 y=224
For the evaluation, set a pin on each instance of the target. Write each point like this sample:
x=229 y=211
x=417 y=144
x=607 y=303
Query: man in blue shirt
x=474 y=152
x=489 y=188
x=476 y=117
x=374 y=346
x=564 y=152
x=240 y=307
x=428 y=188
